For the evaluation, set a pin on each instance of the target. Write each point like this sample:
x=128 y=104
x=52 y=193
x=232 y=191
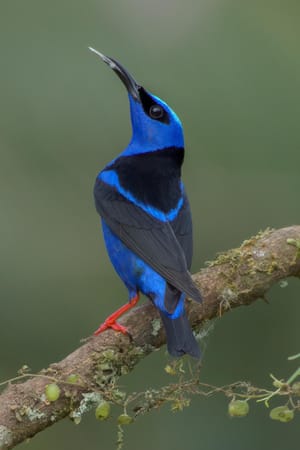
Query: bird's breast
x=152 y=178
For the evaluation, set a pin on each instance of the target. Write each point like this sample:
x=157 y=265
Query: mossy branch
x=237 y=277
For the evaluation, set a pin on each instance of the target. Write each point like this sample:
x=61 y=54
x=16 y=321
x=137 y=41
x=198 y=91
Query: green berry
x=52 y=392
x=124 y=419
x=102 y=411
x=282 y=413
x=238 y=408
x=170 y=370
x=73 y=378
x=296 y=388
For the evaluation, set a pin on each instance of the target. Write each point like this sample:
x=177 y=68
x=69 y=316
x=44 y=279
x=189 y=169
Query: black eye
x=156 y=112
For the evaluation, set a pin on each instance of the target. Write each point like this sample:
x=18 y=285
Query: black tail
x=180 y=338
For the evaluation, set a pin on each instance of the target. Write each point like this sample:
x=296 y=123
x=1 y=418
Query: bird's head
x=155 y=125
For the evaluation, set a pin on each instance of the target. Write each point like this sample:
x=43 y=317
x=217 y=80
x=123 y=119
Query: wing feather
x=152 y=240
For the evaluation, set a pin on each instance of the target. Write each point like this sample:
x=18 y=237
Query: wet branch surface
x=235 y=278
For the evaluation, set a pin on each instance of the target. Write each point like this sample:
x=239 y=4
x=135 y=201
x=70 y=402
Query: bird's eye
x=156 y=112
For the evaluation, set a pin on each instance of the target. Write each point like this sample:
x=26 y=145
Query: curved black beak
x=129 y=82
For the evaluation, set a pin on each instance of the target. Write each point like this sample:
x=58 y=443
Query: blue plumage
x=150 y=135
x=136 y=274
x=146 y=216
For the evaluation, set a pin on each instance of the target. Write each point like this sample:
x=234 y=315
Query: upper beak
x=129 y=82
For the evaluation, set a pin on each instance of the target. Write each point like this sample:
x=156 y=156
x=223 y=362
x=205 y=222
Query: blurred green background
x=231 y=70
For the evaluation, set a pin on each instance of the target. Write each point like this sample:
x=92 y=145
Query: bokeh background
x=231 y=70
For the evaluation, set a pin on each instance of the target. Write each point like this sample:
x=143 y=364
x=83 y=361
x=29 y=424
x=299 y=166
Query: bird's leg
x=110 y=322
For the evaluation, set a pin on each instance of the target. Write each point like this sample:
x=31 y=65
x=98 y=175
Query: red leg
x=110 y=322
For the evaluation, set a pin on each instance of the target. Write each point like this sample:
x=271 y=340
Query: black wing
x=152 y=240
x=183 y=229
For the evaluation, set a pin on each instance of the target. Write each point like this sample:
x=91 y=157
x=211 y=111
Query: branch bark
x=237 y=277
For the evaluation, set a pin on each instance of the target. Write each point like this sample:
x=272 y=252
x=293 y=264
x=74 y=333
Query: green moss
x=109 y=366
x=89 y=401
x=30 y=413
x=156 y=326
x=266 y=265
x=113 y=363
x=295 y=243
x=233 y=256
x=229 y=257
x=34 y=414
x=260 y=235
x=228 y=297
x=109 y=355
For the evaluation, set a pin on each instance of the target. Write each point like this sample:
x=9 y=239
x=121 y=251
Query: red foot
x=114 y=325
x=110 y=322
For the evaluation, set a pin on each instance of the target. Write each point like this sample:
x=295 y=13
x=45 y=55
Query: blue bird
x=146 y=216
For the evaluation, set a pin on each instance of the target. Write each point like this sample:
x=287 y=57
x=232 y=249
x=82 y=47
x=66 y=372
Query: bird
x=146 y=216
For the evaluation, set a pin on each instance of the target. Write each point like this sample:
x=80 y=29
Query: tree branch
x=237 y=277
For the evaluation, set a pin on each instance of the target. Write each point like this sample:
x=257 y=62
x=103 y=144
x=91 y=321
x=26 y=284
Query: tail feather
x=180 y=338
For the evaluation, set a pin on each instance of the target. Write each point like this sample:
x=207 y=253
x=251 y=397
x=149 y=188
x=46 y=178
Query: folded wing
x=152 y=240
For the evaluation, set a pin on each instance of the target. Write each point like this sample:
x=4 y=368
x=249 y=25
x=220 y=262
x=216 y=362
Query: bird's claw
x=114 y=325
